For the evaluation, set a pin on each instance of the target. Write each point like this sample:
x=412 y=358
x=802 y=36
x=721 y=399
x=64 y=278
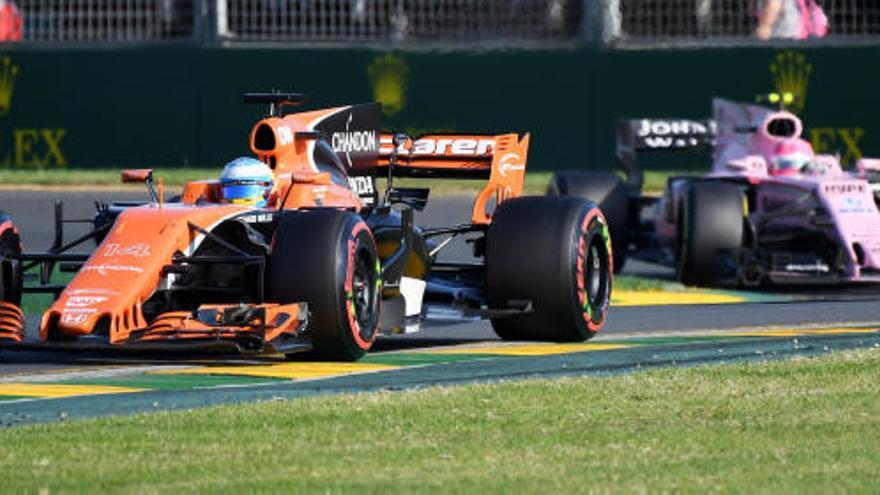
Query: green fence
x=171 y=106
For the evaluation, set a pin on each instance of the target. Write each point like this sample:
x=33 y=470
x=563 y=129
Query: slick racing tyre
x=710 y=231
x=607 y=190
x=554 y=252
x=327 y=258
x=10 y=266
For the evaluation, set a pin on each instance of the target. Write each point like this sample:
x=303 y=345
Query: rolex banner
x=182 y=106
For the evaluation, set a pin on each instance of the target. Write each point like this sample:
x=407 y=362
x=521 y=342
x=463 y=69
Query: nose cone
x=81 y=309
x=107 y=293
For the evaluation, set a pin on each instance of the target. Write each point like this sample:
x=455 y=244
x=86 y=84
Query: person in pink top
x=793 y=19
x=791 y=157
x=10 y=22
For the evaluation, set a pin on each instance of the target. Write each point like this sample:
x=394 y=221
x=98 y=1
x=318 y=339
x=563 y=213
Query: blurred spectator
x=612 y=21
x=703 y=12
x=793 y=19
x=177 y=16
x=778 y=19
x=552 y=17
x=10 y=21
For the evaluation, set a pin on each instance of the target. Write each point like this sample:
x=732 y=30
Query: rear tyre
x=607 y=190
x=556 y=253
x=710 y=228
x=328 y=259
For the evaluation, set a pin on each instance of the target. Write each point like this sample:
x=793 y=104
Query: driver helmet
x=246 y=181
x=791 y=157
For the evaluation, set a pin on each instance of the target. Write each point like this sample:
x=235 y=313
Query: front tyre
x=710 y=230
x=556 y=253
x=328 y=259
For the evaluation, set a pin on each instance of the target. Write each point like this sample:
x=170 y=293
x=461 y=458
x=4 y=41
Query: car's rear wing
x=450 y=156
x=636 y=136
x=499 y=158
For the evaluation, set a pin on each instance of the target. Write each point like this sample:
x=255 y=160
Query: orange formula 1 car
x=328 y=264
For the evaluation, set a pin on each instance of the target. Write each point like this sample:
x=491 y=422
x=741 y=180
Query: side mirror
x=137 y=175
x=144 y=175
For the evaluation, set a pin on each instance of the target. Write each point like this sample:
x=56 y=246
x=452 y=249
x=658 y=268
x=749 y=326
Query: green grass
x=804 y=425
x=655 y=181
x=37 y=304
x=536 y=182
x=171 y=176
x=642 y=284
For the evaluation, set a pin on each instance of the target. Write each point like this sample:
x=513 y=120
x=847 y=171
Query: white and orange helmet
x=246 y=181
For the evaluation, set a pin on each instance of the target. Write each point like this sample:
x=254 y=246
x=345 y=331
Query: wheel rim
x=592 y=274
x=595 y=273
x=364 y=294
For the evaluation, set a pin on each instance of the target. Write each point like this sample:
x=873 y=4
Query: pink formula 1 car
x=770 y=210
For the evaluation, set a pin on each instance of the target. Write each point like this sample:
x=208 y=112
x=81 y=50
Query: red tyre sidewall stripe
x=353 y=326
x=593 y=214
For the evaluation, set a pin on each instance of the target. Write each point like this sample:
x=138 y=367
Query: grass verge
x=642 y=284
x=536 y=182
x=38 y=303
x=788 y=426
x=95 y=177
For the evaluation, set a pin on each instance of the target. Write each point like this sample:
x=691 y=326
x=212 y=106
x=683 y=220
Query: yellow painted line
x=661 y=298
x=796 y=332
x=60 y=390
x=530 y=349
x=284 y=370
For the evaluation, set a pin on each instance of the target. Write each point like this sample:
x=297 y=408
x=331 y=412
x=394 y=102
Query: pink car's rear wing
x=636 y=136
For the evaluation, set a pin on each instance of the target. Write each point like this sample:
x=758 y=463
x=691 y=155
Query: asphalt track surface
x=829 y=308
x=33 y=211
